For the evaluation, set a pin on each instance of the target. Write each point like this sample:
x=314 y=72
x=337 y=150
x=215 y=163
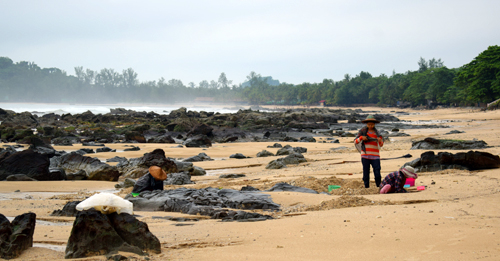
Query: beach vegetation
x=430 y=84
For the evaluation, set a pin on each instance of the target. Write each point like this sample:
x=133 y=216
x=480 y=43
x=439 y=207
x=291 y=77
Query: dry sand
x=456 y=218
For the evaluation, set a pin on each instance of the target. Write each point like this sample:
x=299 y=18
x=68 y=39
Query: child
x=369 y=141
x=151 y=181
x=395 y=181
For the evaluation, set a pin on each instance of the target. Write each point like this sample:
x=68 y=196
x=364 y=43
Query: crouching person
x=151 y=181
x=395 y=181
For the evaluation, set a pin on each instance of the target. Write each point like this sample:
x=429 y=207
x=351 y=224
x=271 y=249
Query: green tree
x=479 y=80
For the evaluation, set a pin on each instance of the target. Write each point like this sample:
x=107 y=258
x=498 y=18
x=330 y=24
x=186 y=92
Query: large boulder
x=17 y=236
x=198 y=141
x=435 y=144
x=69 y=210
x=93 y=167
x=264 y=153
x=95 y=233
x=292 y=158
x=201 y=129
x=202 y=156
x=137 y=167
x=28 y=162
x=472 y=160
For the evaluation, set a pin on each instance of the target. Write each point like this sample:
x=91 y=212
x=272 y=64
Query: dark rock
x=181 y=178
x=307 y=139
x=202 y=156
x=19 y=177
x=94 y=168
x=231 y=176
x=292 y=139
x=202 y=129
x=137 y=167
x=183 y=166
x=69 y=210
x=28 y=162
x=161 y=139
x=307 y=125
x=104 y=149
x=17 y=236
x=85 y=150
x=117 y=159
x=293 y=158
x=91 y=143
x=435 y=144
x=134 y=148
x=95 y=233
x=276 y=164
x=198 y=171
x=79 y=175
x=127 y=183
x=455 y=132
x=472 y=160
x=283 y=151
x=248 y=188
x=65 y=141
x=207 y=201
x=287 y=187
x=198 y=141
x=237 y=156
x=265 y=153
x=275 y=145
x=135 y=136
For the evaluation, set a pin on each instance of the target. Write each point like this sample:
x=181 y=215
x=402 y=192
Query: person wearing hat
x=151 y=181
x=368 y=142
x=395 y=181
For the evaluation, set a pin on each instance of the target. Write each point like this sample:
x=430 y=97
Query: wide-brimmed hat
x=157 y=173
x=409 y=172
x=370 y=118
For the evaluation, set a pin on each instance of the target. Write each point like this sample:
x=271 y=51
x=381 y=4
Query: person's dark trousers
x=366 y=171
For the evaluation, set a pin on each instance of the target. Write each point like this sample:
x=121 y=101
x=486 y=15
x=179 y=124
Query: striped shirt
x=397 y=181
x=372 y=147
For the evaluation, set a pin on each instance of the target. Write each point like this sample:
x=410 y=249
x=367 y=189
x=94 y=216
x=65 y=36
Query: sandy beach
x=457 y=217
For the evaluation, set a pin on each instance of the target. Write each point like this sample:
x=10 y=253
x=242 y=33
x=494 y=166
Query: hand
x=364 y=138
x=379 y=139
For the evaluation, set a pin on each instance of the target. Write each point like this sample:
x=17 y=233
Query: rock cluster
x=472 y=160
x=16 y=236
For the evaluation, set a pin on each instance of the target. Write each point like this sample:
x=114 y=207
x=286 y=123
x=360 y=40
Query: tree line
x=433 y=83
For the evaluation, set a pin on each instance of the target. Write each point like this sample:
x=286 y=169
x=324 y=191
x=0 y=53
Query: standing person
x=368 y=141
x=151 y=181
x=394 y=182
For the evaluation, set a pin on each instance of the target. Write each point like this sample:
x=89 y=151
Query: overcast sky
x=292 y=41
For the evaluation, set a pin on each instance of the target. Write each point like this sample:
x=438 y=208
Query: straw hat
x=370 y=118
x=157 y=173
x=409 y=172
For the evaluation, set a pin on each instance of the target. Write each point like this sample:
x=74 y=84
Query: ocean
x=63 y=108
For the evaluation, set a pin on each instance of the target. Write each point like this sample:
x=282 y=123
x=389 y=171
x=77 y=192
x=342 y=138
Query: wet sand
x=457 y=218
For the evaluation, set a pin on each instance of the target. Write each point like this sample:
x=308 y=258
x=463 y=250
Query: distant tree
x=204 y=84
x=479 y=80
x=422 y=65
x=223 y=81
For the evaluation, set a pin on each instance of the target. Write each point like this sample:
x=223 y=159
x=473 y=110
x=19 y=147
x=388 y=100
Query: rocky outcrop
x=198 y=141
x=293 y=158
x=93 y=167
x=265 y=153
x=181 y=178
x=202 y=156
x=69 y=210
x=472 y=160
x=137 y=167
x=207 y=201
x=19 y=177
x=435 y=144
x=95 y=233
x=28 y=162
x=237 y=156
x=287 y=187
x=16 y=236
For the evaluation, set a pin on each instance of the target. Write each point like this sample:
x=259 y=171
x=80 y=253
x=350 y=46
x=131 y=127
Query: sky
x=292 y=41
